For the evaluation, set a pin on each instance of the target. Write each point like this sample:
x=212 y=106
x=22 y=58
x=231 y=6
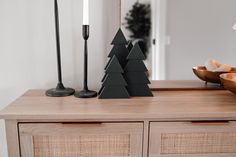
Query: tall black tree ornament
x=138 y=22
x=135 y=73
x=117 y=62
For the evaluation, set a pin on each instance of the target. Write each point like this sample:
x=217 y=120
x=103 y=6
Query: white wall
x=27 y=46
x=199 y=30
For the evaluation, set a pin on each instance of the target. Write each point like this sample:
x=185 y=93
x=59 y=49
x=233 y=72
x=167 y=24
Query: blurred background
x=180 y=34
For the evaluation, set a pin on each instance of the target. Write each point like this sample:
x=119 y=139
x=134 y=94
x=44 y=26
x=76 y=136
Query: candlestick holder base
x=60 y=91
x=85 y=94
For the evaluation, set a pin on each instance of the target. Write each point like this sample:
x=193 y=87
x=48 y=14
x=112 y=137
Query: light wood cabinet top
x=166 y=105
x=183 y=85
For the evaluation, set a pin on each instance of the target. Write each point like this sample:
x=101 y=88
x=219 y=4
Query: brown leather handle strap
x=81 y=123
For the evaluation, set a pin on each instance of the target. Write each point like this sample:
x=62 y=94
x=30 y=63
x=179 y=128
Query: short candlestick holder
x=85 y=93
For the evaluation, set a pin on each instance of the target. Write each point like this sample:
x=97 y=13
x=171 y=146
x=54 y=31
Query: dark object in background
x=135 y=73
x=85 y=93
x=138 y=22
x=60 y=90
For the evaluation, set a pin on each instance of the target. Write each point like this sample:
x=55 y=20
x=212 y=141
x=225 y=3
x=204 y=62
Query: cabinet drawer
x=197 y=139
x=81 y=139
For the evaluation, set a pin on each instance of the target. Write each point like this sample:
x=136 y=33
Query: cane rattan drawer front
x=197 y=139
x=81 y=139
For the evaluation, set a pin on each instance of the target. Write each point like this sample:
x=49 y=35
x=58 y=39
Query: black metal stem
x=85 y=65
x=57 y=31
x=86 y=36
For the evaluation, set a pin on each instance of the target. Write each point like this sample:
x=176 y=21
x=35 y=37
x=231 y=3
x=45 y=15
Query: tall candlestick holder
x=85 y=93
x=60 y=90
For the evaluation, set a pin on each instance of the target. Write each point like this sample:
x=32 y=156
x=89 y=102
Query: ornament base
x=60 y=91
x=85 y=94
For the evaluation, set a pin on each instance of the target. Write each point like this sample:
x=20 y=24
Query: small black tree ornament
x=114 y=84
x=135 y=73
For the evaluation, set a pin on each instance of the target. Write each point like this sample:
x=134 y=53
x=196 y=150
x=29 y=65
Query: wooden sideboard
x=189 y=122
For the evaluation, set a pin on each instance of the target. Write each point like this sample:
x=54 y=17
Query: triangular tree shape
x=114 y=84
x=140 y=90
x=115 y=79
x=119 y=39
x=136 y=78
x=136 y=53
x=114 y=92
x=135 y=65
x=130 y=46
x=121 y=52
x=135 y=73
x=114 y=66
x=118 y=66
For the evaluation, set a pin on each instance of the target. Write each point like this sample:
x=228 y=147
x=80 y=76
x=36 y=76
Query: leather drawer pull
x=81 y=123
x=210 y=122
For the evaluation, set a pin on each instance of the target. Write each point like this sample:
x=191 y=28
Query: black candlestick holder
x=85 y=93
x=60 y=90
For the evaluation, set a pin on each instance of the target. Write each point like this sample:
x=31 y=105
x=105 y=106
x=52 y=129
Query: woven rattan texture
x=81 y=146
x=198 y=143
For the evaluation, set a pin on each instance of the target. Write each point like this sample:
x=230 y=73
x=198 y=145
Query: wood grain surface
x=183 y=85
x=165 y=105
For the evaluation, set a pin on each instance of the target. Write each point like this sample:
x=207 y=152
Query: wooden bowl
x=214 y=77
x=229 y=82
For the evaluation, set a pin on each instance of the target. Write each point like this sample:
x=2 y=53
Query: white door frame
x=159 y=34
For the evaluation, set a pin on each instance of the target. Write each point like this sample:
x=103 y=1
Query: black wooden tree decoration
x=114 y=84
x=60 y=90
x=119 y=50
x=135 y=73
